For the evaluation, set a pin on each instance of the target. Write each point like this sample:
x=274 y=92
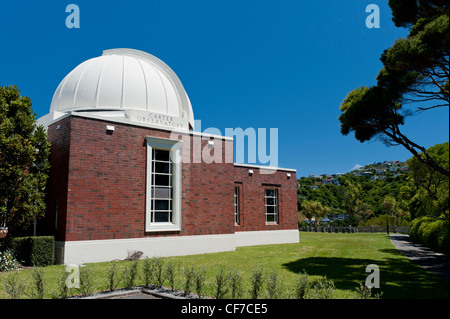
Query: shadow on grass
x=399 y=278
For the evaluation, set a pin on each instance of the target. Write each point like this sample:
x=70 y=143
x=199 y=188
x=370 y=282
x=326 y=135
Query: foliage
x=112 y=278
x=34 y=250
x=8 y=261
x=430 y=189
x=415 y=70
x=13 y=286
x=357 y=196
x=220 y=285
x=431 y=233
x=24 y=164
x=256 y=283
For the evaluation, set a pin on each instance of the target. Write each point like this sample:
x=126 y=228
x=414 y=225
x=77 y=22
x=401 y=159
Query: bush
x=34 y=251
x=433 y=233
x=8 y=261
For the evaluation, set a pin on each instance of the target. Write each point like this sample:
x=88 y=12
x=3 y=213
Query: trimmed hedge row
x=433 y=233
x=34 y=251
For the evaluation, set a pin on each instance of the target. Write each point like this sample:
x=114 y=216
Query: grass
x=339 y=257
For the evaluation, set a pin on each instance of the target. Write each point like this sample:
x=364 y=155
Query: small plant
x=111 y=275
x=364 y=292
x=129 y=274
x=133 y=255
x=8 y=261
x=86 y=280
x=220 y=285
x=13 y=285
x=200 y=276
x=302 y=285
x=322 y=289
x=148 y=267
x=38 y=284
x=170 y=274
x=189 y=277
x=159 y=271
x=274 y=287
x=236 y=284
x=256 y=283
x=62 y=288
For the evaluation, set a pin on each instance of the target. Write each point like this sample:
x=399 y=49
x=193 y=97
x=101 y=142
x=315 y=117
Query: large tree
x=415 y=71
x=24 y=164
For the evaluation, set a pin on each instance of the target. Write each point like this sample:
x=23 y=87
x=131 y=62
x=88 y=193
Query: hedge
x=34 y=251
x=433 y=233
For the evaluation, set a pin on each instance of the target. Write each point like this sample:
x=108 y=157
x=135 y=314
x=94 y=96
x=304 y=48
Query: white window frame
x=175 y=154
x=275 y=205
x=237 y=214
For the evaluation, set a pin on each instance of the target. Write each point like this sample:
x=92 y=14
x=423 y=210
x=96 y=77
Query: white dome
x=123 y=79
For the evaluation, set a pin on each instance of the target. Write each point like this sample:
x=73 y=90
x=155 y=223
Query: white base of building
x=89 y=251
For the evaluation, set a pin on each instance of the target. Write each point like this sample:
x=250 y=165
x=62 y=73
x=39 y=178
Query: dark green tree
x=415 y=71
x=24 y=164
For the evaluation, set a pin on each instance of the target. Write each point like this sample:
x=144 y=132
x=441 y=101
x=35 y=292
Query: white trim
x=88 y=251
x=267 y=237
x=175 y=153
x=266 y=167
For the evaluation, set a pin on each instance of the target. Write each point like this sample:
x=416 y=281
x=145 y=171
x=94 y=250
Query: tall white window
x=271 y=205
x=163 y=191
x=236 y=205
x=162 y=186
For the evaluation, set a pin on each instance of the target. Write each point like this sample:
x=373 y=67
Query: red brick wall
x=252 y=209
x=99 y=181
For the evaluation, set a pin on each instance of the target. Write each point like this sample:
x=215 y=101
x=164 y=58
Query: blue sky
x=261 y=64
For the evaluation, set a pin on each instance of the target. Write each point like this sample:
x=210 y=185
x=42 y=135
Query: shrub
x=38 y=284
x=302 y=285
x=86 y=280
x=8 y=261
x=170 y=273
x=148 y=268
x=189 y=277
x=129 y=274
x=433 y=233
x=111 y=274
x=220 y=286
x=34 y=251
x=200 y=277
x=256 y=283
x=236 y=284
x=13 y=286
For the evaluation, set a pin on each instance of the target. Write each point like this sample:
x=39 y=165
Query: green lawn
x=342 y=258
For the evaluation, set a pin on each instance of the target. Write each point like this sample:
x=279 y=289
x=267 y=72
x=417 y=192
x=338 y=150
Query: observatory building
x=128 y=171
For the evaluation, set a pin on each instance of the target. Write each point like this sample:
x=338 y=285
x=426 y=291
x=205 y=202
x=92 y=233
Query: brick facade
x=98 y=185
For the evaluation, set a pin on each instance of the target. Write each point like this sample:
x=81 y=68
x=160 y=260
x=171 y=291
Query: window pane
x=270 y=210
x=161 y=192
x=162 y=205
x=161 y=155
x=161 y=217
x=162 y=180
x=162 y=167
x=270 y=201
x=270 y=218
x=270 y=192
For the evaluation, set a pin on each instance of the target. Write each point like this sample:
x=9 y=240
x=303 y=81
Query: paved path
x=421 y=255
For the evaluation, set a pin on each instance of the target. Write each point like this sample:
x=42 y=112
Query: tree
x=431 y=188
x=415 y=70
x=24 y=164
x=314 y=209
x=394 y=209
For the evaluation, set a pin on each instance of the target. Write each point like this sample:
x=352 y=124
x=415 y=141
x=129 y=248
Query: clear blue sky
x=261 y=64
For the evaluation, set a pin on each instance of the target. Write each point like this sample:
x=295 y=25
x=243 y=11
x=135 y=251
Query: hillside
x=359 y=193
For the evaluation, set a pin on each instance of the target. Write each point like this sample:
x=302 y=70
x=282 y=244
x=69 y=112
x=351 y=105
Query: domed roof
x=123 y=79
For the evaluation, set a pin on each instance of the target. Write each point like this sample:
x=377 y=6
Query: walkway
x=421 y=255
